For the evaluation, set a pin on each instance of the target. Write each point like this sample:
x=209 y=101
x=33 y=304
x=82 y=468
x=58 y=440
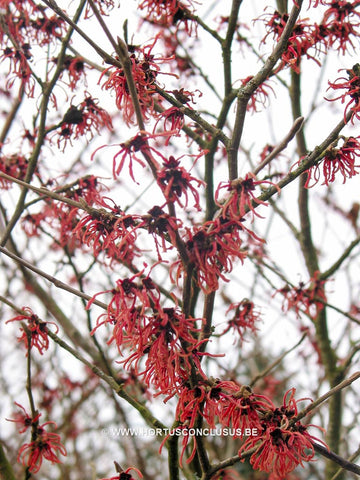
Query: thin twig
x=297 y=125
x=345 y=383
x=330 y=271
x=268 y=369
x=105 y=56
x=247 y=90
x=55 y=281
x=345 y=464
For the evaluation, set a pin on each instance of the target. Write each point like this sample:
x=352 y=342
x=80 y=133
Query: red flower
x=259 y=97
x=300 y=42
x=175 y=181
x=336 y=160
x=23 y=420
x=124 y=474
x=243 y=409
x=173 y=119
x=20 y=68
x=243 y=319
x=160 y=341
x=47 y=29
x=311 y=299
x=168 y=349
x=112 y=231
x=352 y=85
x=84 y=120
x=241 y=198
x=128 y=149
x=341 y=10
x=46 y=446
x=171 y=10
x=35 y=329
x=75 y=68
x=340 y=22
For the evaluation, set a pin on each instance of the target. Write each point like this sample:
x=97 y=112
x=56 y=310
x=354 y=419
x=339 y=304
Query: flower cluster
x=300 y=41
x=61 y=217
x=44 y=445
x=35 y=332
x=212 y=248
x=337 y=29
x=161 y=342
x=340 y=25
x=167 y=12
x=13 y=165
x=144 y=70
x=113 y=232
x=19 y=67
x=283 y=442
x=27 y=24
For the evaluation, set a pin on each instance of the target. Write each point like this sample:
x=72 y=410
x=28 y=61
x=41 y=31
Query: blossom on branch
x=167 y=12
x=340 y=24
x=85 y=119
x=352 y=95
x=259 y=97
x=14 y=165
x=23 y=420
x=173 y=119
x=175 y=181
x=19 y=68
x=342 y=160
x=241 y=197
x=75 y=69
x=160 y=341
x=35 y=332
x=301 y=40
x=124 y=474
x=108 y=231
x=311 y=299
x=46 y=446
x=244 y=318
